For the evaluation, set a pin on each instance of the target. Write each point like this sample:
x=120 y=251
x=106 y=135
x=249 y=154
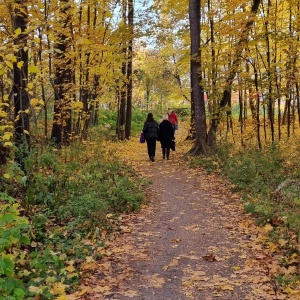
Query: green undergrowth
x=55 y=216
x=107 y=120
x=269 y=184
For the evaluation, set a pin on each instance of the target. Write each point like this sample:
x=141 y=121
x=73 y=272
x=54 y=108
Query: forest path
x=191 y=241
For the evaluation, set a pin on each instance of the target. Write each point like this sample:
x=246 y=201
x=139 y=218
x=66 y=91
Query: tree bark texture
x=197 y=91
x=61 y=130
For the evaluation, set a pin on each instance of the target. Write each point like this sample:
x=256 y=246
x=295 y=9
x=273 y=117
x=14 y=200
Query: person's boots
x=168 y=153
x=164 y=153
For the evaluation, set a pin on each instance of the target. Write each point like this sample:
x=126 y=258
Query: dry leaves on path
x=191 y=241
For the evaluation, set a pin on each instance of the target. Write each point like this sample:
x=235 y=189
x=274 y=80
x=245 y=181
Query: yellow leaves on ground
x=147 y=233
x=124 y=248
x=268 y=227
x=101 y=289
x=35 y=289
x=125 y=228
x=193 y=227
x=173 y=263
x=88 y=266
x=156 y=281
x=130 y=293
x=70 y=269
x=294 y=294
x=58 y=289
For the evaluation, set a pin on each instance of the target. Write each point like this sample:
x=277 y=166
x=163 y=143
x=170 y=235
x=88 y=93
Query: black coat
x=166 y=134
x=151 y=130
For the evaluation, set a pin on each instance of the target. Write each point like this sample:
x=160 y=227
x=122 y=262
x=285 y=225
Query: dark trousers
x=151 y=145
x=166 y=152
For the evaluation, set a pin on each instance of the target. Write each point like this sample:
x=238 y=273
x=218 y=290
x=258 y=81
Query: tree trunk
x=214 y=89
x=257 y=110
x=61 y=130
x=122 y=107
x=269 y=73
x=298 y=101
x=123 y=87
x=197 y=90
x=241 y=119
x=21 y=97
x=86 y=83
x=129 y=71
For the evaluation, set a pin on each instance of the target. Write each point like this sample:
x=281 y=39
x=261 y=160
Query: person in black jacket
x=151 y=131
x=166 y=135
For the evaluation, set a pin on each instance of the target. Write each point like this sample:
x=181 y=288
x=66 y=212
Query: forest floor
x=191 y=240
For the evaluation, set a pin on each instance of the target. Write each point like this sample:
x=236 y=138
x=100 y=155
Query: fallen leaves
x=173 y=263
x=209 y=257
x=202 y=244
x=193 y=227
x=102 y=289
x=130 y=293
x=156 y=281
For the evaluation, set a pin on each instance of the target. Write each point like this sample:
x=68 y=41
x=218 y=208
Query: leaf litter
x=191 y=240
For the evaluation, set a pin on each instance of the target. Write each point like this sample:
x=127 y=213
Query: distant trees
x=70 y=59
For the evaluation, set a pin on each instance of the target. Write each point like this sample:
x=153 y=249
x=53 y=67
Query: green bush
x=13 y=235
x=253 y=171
x=108 y=120
x=138 y=119
x=209 y=163
x=67 y=195
x=78 y=193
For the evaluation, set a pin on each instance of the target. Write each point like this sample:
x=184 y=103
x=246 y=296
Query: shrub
x=13 y=233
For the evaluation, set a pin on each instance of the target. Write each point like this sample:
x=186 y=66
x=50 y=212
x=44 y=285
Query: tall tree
x=269 y=63
x=85 y=75
x=20 y=68
x=197 y=90
x=61 y=130
x=129 y=70
x=122 y=91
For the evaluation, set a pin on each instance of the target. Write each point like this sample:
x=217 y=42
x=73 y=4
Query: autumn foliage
x=78 y=76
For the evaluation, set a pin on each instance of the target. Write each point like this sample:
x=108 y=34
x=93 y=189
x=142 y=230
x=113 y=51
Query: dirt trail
x=191 y=241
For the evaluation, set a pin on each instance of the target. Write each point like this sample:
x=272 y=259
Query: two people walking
x=163 y=132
